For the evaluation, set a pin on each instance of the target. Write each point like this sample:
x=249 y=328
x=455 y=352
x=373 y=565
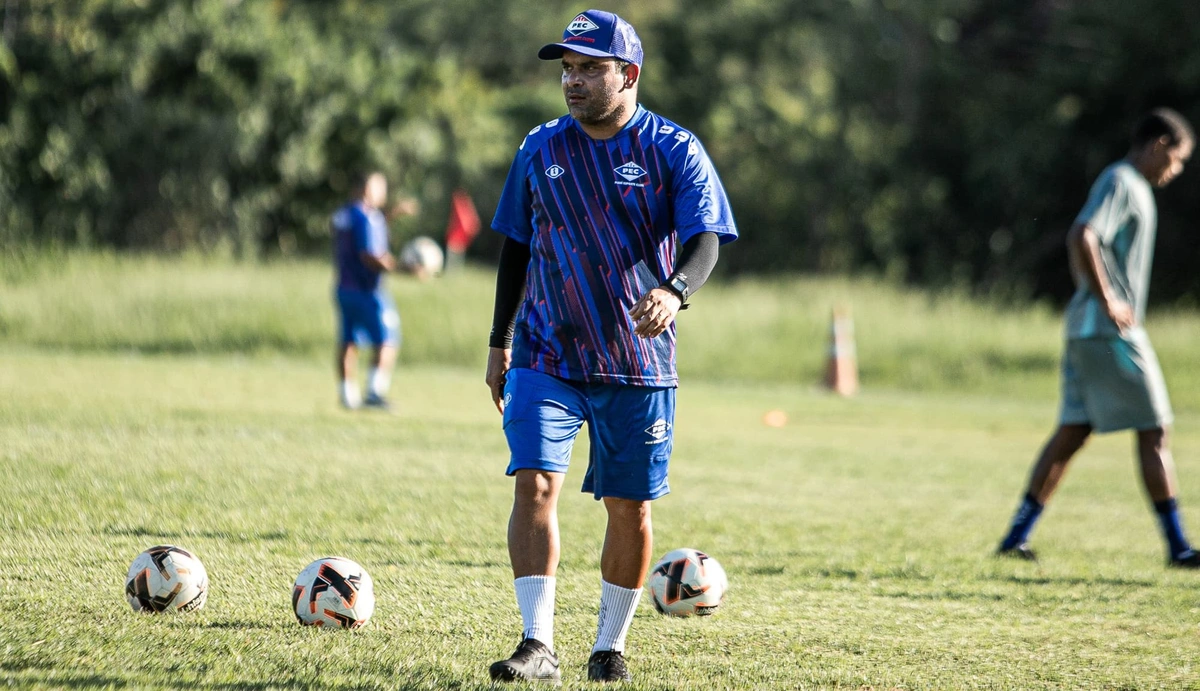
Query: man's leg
x=1158 y=470
x=383 y=361
x=628 y=542
x=533 y=549
x=1047 y=473
x=347 y=360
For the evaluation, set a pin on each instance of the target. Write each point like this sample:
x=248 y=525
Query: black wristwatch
x=677 y=284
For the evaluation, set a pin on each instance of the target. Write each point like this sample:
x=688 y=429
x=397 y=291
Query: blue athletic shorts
x=368 y=317
x=629 y=428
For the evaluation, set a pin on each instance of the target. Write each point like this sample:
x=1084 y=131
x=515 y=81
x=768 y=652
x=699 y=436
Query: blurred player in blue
x=612 y=217
x=1111 y=379
x=366 y=310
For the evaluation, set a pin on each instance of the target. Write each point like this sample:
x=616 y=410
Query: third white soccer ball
x=687 y=582
x=423 y=253
x=166 y=578
x=333 y=592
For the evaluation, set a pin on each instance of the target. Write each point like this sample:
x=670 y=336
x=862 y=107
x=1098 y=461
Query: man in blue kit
x=596 y=208
x=366 y=310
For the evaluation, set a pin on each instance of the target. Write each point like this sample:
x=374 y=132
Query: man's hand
x=1121 y=313
x=655 y=312
x=499 y=360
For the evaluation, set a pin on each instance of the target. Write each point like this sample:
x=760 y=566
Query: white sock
x=379 y=382
x=617 y=606
x=535 y=597
x=349 y=394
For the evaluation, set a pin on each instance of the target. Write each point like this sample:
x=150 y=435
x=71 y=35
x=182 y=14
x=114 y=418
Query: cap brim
x=554 y=51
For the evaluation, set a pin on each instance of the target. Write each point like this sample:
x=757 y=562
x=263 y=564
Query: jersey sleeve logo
x=630 y=171
x=666 y=129
x=555 y=172
x=581 y=25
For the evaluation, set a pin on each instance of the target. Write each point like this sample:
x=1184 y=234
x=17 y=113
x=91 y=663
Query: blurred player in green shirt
x=1111 y=379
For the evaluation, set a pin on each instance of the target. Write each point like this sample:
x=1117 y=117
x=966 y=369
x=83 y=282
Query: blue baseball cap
x=598 y=34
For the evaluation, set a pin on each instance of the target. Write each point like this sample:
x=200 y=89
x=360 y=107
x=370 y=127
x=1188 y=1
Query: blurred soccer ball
x=166 y=579
x=687 y=582
x=333 y=592
x=422 y=255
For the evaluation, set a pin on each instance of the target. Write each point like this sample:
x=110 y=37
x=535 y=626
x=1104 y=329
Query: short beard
x=594 y=118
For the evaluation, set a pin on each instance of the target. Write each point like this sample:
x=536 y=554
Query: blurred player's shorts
x=368 y=318
x=1114 y=383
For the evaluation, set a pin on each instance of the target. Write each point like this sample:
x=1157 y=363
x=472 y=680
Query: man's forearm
x=1084 y=248
x=510 y=288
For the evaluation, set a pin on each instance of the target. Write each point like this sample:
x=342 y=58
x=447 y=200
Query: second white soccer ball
x=333 y=591
x=686 y=582
x=423 y=254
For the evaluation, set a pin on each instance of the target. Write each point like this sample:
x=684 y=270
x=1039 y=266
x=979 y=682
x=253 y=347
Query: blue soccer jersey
x=357 y=229
x=603 y=219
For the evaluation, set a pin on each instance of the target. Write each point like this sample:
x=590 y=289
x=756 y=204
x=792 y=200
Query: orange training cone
x=841 y=372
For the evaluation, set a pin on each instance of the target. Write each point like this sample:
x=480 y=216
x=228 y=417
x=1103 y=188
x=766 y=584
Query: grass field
x=856 y=538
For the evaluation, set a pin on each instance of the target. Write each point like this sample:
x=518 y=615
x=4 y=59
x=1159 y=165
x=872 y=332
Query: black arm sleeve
x=510 y=288
x=697 y=259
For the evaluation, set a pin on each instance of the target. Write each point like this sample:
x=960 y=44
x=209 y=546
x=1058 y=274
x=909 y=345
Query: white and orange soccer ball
x=423 y=255
x=686 y=582
x=333 y=591
x=166 y=578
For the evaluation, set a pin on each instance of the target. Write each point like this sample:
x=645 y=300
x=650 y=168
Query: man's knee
x=629 y=511
x=1152 y=439
x=537 y=487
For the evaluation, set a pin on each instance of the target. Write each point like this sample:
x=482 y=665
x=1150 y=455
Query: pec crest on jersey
x=630 y=171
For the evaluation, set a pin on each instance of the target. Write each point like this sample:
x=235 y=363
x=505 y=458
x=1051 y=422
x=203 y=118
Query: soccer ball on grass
x=333 y=591
x=166 y=578
x=686 y=582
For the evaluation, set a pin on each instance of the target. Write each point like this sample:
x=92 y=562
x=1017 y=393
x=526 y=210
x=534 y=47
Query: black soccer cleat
x=532 y=661
x=377 y=403
x=1022 y=551
x=608 y=666
x=1190 y=560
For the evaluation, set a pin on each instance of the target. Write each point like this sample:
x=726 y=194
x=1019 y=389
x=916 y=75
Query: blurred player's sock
x=349 y=395
x=617 y=606
x=1022 y=524
x=535 y=597
x=1168 y=517
x=378 y=383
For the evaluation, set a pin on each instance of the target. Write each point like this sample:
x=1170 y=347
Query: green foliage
x=857 y=538
x=943 y=142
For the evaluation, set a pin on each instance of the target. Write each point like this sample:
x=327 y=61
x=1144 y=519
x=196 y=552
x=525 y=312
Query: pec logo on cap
x=630 y=171
x=581 y=25
x=554 y=172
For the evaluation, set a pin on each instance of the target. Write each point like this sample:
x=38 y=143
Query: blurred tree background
x=937 y=142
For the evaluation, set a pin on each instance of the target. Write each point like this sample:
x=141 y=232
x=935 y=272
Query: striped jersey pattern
x=603 y=219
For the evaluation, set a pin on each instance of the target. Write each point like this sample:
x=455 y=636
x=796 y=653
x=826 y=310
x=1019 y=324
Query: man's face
x=1166 y=160
x=592 y=87
x=376 y=192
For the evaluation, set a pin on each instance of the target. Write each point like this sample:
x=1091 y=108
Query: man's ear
x=632 y=72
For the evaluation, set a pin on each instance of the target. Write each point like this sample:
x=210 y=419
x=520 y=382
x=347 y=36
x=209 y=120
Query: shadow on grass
x=398 y=680
x=1075 y=580
x=140 y=531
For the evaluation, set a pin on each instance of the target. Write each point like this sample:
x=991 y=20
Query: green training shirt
x=1120 y=210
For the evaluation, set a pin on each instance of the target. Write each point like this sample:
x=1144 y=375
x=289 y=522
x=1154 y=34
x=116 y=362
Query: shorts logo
x=507 y=399
x=658 y=431
x=631 y=172
x=581 y=25
x=555 y=172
